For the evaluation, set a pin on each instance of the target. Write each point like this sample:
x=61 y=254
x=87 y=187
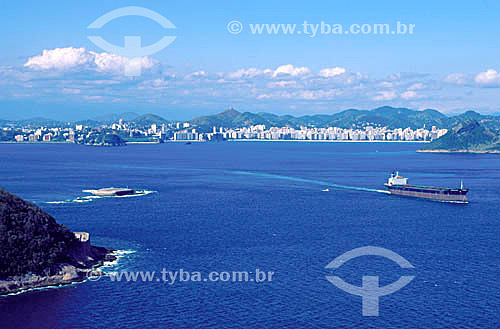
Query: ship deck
x=421 y=187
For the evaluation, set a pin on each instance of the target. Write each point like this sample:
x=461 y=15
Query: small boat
x=325 y=190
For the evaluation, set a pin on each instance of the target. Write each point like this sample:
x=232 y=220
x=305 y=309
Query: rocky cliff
x=36 y=251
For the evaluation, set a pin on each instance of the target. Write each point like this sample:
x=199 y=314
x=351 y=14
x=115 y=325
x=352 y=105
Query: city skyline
x=130 y=133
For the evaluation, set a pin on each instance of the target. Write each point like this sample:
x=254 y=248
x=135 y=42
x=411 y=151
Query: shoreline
x=230 y=140
x=67 y=274
x=322 y=141
x=14 y=142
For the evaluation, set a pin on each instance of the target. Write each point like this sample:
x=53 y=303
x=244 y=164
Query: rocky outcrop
x=86 y=266
x=38 y=252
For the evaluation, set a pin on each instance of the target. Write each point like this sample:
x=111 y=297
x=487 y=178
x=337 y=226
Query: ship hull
x=439 y=194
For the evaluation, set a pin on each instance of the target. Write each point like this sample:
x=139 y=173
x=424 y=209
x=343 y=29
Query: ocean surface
x=243 y=206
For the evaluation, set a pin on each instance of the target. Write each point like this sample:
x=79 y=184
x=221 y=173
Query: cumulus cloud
x=282 y=84
x=76 y=73
x=457 y=79
x=302 y=94
x=80 y=59
x=331 y=72
x=114 y=63
x=490 y=78
x=318 y=94
x=385 y=95
x=409 y=94
x=59 y=59
x=248 y=73
x=291 y=70
x=196 y=75
x=417 y=86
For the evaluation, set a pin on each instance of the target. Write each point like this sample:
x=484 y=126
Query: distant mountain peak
x=149 y=119
x=385 y=116
x=230 y=112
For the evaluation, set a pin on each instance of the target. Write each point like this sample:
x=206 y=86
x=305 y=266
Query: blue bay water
x=247 y=206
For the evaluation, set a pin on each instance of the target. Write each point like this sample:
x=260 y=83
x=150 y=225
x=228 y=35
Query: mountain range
x=384 y=116
x=391 y=117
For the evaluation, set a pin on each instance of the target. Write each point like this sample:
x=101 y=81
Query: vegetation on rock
x=31 y=242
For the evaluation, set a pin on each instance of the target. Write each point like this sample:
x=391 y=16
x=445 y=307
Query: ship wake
x=310 y=181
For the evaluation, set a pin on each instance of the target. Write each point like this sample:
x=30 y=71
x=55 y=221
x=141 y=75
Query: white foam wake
x=90 y=198
x=303 y=180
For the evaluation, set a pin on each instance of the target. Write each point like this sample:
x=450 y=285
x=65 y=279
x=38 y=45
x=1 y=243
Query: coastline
x=459 y=151
x=322 y=141
x=135 y=143
x=230 y=140
x=67 y=273
x=14 y=142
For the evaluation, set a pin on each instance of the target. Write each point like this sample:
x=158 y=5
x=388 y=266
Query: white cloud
x=64 y=59
x=155 y=84
x=409 y=94
x=196 y=75
x=489 y=78
x=76 y=73
x=282 y=84
x=318 y=94
x=417 y=86
x=291 y=70
x=114 y=63
x=302 y=94
x=60 y=59
x=386 y=95
x=71 y=91
x=457 y=79
x=93 y=98
x=331 y=72
x=248 y=73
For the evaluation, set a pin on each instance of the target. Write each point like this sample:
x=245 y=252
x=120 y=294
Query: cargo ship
x=399 y=185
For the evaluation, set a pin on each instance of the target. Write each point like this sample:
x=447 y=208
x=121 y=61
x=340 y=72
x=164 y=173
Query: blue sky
x=450 y=62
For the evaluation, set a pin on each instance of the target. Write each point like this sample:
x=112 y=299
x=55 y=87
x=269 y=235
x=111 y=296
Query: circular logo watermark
x=235 y=27
x=92 y=276
x=370 y=291
x=133 y=48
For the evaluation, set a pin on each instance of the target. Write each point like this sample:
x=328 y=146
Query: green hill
x=37 y=252
x=383 y=116
x=469 y=136
x=229 y=118
x=111 y=140
x=30 y=240
x=148 y=120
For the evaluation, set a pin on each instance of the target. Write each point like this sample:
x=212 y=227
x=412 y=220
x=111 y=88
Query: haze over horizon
x=450 y=62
